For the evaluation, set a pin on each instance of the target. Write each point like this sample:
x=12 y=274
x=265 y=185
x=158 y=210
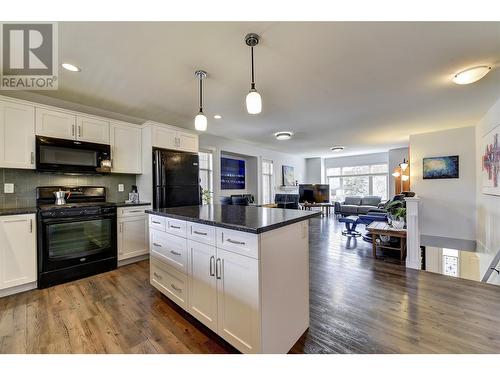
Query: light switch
x=121 y=187
x=8 y=188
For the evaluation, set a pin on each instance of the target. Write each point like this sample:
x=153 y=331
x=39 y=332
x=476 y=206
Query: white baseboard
x=18 y=289
x=124 y=262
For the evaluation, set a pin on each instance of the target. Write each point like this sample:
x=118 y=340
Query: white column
x=413 y=254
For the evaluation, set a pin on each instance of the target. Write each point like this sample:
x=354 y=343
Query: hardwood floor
x=358 y=305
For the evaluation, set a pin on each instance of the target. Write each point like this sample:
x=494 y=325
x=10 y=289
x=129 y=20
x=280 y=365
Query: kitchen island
x=242 y=271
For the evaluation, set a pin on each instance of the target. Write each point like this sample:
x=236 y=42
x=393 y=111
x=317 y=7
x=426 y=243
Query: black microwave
x=70 y=156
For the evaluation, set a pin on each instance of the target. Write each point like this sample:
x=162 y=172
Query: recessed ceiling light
x=217 y=117
x=471 y=75
x=283 y=136
x=337 y=148
x=70 y=67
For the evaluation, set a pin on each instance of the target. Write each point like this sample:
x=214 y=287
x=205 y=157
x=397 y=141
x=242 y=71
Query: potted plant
x=206 y=196
x=397 y=214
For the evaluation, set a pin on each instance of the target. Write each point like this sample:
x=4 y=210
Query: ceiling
x=366 y=86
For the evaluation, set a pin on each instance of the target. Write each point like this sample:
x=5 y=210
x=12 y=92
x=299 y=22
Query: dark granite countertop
x=17 y=210
x=243 y=218
x=123 y=204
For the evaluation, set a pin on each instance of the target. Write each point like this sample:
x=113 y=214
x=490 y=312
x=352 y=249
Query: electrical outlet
x=8 y=188
x=121 y=187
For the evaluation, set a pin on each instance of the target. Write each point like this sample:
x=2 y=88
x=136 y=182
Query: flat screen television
x=314 y=193
x=232 y=174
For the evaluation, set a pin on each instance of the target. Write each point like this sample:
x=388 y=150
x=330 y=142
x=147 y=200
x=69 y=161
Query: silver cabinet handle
x=156 y=275
x=235 y=242
x=175 y=227
x=73 y=129
x=217 y=269
x=175 y=252
x=155 y=222
x=156 y=244
x=79 y=131
x=200 y=233
x=177 y=289
x=121 y=227
x=31 y=225
x=32 y=157
x=135 y=211
x=212 y=261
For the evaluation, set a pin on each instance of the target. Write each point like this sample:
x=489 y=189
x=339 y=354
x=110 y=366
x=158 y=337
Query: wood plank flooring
x=358 y=305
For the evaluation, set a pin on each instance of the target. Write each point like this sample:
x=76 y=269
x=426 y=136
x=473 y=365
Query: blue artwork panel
x=232 y=174
x=440 y=167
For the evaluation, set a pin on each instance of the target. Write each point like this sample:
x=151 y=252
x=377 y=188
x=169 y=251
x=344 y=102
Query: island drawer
x=131 y=211
x=201 y=233
x=157 y=222
x=177 y=227
x=169 y=281
x=238 y=242
x=169 y=249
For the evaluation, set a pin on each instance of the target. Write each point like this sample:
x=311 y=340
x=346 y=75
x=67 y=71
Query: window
x=206 y=171
x=358 y=180
x=267 y=181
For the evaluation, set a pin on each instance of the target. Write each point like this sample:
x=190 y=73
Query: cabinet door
x=132 y=237
x=55 y=124
x=187 y=141
x=202 y=283
x=164 y=138
x=92 y=130
x=17 y=250
x=17 y=136
x=126 y=149
x=238 y=300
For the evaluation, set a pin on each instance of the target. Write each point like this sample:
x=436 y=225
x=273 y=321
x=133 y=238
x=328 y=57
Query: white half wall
x=488 y=206
x=221 y=144
x=447 y=206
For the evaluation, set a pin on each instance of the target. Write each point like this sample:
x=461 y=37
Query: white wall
x=313 y=170
x=448 y=206
x=218 y=144
x=488 y=206
x=396 y=157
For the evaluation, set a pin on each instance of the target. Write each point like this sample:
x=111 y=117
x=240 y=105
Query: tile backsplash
x=25 y=182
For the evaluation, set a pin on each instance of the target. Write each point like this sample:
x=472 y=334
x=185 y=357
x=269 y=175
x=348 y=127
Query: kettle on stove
x=60 y=197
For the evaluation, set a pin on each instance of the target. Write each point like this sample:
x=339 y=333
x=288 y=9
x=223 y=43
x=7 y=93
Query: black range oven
x=77 y=239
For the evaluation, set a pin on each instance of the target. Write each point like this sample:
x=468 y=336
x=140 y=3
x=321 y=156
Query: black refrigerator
x=175 y=179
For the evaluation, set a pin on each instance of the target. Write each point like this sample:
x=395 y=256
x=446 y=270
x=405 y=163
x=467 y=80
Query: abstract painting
x=490 y=162
x=440 y=167
x=232 y=174
x=288 y=176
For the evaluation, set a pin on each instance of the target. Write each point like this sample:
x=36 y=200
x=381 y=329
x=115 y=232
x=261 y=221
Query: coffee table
x=325 y=207
x=379 y=228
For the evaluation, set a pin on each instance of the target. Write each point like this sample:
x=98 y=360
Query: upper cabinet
x=66 y=125
x=126 y=150
x=173 y=139
x=17 y=135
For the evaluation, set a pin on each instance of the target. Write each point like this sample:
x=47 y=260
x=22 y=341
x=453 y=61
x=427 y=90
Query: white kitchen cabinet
x=55 y=124
x=202 y=283
x=238 y=300
x=90 y=129
x=126 y=148
x=17 y=250
x=133 y=236
x=17 y=135
x=173 y=139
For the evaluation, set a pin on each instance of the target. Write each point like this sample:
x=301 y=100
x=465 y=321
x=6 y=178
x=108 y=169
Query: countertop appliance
x=69 y=156
x=77 y=239
x=175 y=179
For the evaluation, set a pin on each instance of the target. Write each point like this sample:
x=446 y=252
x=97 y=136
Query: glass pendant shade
x=254 y=102
x=200 y=122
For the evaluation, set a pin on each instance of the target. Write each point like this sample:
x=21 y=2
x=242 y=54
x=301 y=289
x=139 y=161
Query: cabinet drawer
x=132 y=211
x=169 y=249
x=157 y=222
x=238 y=242
x=177 y=227
x=169 y=281
x=201 y=233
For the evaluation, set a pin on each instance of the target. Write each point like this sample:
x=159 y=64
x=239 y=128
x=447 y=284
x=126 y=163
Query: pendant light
x=404 y=165
x=200 y=121
x=254 y=101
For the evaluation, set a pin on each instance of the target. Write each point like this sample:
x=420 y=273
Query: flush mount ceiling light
x=200 y=121
x=337 y=148
x=70 y=67
x=471 y=75
x=217 y=117
x=254 y=101
x=283 y=136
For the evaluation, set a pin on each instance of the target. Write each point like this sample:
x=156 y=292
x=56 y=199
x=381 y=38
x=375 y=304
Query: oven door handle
x=53 y=220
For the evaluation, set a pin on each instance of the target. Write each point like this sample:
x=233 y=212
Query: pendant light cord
x=253 y=78
x=201 y=94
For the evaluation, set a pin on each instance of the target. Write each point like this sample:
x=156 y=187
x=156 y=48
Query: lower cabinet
x=17 y=250
x=133 y=236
